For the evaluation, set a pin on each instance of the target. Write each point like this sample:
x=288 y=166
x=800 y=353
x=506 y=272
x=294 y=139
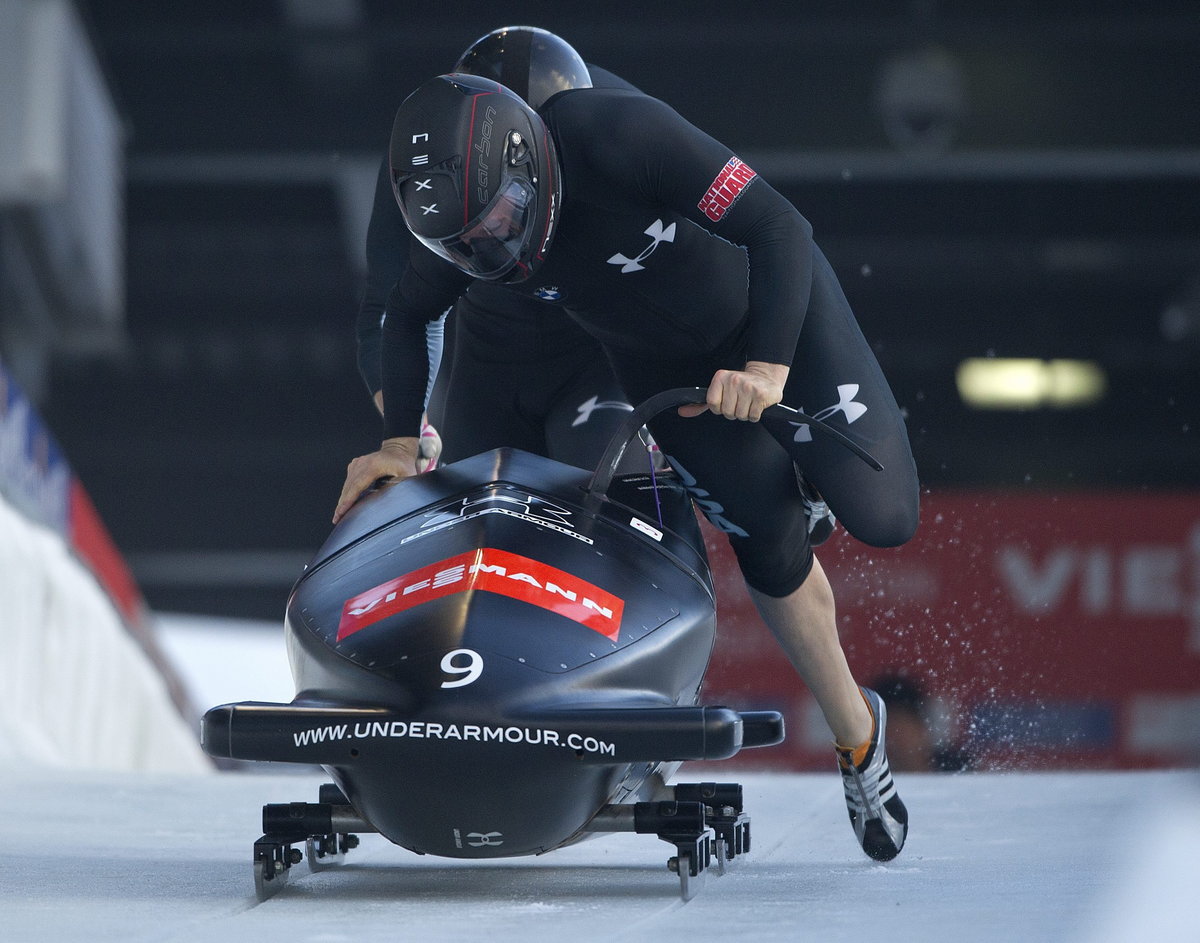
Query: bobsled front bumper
x=330 y=735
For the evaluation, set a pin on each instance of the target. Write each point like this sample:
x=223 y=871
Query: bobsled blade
x=272 y=862
x=324 y=852
x=722 y=856
x=267 y=885
x=691 y=874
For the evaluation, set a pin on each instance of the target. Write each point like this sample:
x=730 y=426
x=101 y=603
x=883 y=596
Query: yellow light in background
x=1076 y=383
x=1027 y=383
x=1001 y=384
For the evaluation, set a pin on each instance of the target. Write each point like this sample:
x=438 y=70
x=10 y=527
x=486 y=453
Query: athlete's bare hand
x=743 y=394
x=396 y=459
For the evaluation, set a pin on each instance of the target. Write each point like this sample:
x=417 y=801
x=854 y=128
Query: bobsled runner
x=502 y=657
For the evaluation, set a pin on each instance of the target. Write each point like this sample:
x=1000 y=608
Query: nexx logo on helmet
x=474 y=171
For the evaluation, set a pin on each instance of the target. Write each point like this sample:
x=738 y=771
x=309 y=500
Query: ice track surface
x=1004 y=857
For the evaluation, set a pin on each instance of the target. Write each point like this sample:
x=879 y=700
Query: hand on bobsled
x=743 y=394
x=396 y=459
x=431 y=447
x=431 y=442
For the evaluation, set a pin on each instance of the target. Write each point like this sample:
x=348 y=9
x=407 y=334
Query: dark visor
x=491 y=245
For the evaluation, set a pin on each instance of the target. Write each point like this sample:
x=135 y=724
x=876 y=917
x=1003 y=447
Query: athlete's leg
x=836 y=377
x=805 y=626
x=745 y=483
x=477 y=402
x=586 y=409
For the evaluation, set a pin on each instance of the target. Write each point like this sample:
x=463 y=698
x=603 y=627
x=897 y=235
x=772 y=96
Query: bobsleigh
x=503 y=657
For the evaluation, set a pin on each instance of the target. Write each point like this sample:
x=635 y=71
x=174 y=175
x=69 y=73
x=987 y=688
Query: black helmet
x=533 y=62
x=475 y=173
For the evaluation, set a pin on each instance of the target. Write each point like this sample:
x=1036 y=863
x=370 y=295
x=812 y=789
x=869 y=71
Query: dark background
x=1023 y=181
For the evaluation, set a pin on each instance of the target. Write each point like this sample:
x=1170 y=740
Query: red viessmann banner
x=1048 y=630
x=494 y=571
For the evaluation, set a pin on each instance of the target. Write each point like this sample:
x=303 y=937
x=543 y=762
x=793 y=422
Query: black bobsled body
x=497 y=658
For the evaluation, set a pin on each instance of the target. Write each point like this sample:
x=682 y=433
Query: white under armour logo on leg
x=846 y=405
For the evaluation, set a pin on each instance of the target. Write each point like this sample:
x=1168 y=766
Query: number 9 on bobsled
x=499 y=658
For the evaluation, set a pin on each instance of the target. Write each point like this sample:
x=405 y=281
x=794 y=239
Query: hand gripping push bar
x=688 y=395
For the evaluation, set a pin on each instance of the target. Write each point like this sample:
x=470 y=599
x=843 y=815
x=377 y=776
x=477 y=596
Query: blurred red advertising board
x=1047 y=630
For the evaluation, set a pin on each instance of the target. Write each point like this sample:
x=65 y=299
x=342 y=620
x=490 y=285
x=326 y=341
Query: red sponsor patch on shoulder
x=726 y=188
x=493 y=571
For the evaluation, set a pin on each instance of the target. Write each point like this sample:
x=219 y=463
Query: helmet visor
x=493 y=243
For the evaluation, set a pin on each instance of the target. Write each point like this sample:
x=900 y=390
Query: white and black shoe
x=821 y=521
x=879 y=818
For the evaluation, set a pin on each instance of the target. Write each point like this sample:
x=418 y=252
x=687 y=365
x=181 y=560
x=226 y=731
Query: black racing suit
x=526 y=377
x=679 y=260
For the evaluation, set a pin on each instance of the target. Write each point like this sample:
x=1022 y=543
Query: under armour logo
x=657 y=234
x=845 y=405
x=431 y=208
x=481 y=839
x=424 y=184
x=586 y=409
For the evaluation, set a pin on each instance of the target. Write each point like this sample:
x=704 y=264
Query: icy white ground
x=1090 y=857
x=991 y=857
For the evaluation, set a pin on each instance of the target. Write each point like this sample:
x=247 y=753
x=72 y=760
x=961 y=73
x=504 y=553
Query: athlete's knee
x=889 y=525
x=772 y=573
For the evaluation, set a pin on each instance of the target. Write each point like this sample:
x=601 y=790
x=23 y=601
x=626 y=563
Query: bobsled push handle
x=787 y=414
x=606 y=468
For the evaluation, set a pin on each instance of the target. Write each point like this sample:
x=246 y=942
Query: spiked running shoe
x=821 y=521
x=877 y=815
